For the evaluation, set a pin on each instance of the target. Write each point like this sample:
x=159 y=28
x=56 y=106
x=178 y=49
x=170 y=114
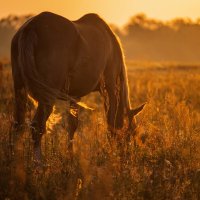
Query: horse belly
x=89 y=67
x=84 y=81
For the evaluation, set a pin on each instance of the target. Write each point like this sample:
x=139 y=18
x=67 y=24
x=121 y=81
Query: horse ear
x=137 y=110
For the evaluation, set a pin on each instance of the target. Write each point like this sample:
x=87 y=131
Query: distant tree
x=8 y=27
x=142 y=22
x=179 y=23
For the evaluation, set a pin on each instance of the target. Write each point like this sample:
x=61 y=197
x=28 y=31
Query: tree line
x=143 y=38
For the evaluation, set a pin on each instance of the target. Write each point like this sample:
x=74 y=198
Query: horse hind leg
x=38 y=128
x=72 y=124
x=19 y=91
x=20 y=107
x=18 y=124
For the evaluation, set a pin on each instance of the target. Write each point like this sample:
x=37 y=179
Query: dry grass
x=161 y=162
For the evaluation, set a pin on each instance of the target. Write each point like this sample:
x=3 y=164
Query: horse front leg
x=38 y=128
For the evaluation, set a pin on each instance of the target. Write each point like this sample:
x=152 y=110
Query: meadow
x=161 y=162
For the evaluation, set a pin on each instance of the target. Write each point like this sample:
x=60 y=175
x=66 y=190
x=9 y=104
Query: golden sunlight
x=142 y=54
x=114 y=11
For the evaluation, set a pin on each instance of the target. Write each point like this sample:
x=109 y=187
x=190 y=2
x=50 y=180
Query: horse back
x=68 y=56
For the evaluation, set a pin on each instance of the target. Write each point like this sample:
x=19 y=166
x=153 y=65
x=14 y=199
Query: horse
x=55 y=58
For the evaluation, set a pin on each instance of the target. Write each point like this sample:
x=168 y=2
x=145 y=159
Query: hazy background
x=168 y=31
x=114 y=11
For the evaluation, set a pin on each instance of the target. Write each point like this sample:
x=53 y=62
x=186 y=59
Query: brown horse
x=54 y=58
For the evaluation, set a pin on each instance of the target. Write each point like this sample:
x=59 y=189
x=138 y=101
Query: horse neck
x=125 y=89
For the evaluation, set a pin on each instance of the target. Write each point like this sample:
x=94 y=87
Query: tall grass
x=161 y=162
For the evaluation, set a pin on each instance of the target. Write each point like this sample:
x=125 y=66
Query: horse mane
x=123 y=75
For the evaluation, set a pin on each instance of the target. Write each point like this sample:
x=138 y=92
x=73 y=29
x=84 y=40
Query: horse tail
x=33 y=82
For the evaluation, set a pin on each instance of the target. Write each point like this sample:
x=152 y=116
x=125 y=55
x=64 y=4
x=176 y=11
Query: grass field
x=162 y=162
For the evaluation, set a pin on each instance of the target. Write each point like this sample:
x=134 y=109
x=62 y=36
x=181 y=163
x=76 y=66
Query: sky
x=113 y=11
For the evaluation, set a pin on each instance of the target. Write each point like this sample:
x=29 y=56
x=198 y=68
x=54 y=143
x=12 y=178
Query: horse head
x=131 y=117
